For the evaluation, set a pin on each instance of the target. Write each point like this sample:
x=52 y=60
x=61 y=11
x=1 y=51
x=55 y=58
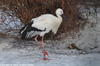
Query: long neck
x=59 y=18
x=56 y=24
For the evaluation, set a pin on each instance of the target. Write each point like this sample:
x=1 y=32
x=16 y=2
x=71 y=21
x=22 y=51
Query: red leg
x=44 y=50
x=40 y=45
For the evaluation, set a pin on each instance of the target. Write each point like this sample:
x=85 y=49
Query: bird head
x=60 y=12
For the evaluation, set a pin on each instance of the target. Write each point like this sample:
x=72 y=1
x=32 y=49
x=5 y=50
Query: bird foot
x=46 y=59
x=45 y=53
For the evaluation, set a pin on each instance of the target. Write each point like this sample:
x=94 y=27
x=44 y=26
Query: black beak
x=65 y=19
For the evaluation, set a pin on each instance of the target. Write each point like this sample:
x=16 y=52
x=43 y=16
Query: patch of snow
x=12 y=54
x=14 y=51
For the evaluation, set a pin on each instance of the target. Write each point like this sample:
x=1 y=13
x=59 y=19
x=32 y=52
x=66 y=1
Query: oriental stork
x=41 y=25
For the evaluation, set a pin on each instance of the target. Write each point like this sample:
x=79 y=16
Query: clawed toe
x=46 y=59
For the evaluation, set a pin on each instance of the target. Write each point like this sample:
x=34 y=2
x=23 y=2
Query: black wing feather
x=28 y=28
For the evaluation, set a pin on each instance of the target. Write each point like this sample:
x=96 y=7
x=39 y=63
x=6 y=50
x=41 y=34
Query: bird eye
x=61 y=12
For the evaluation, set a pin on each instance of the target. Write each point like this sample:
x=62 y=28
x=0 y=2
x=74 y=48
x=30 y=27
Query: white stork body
x=48 y=22
x=42 y=25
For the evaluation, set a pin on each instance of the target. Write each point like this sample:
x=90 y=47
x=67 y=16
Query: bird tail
x=23 y=35
x=23 y=32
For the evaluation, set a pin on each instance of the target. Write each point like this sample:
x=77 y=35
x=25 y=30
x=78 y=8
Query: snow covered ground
x=13 y=51
x=16 y=51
